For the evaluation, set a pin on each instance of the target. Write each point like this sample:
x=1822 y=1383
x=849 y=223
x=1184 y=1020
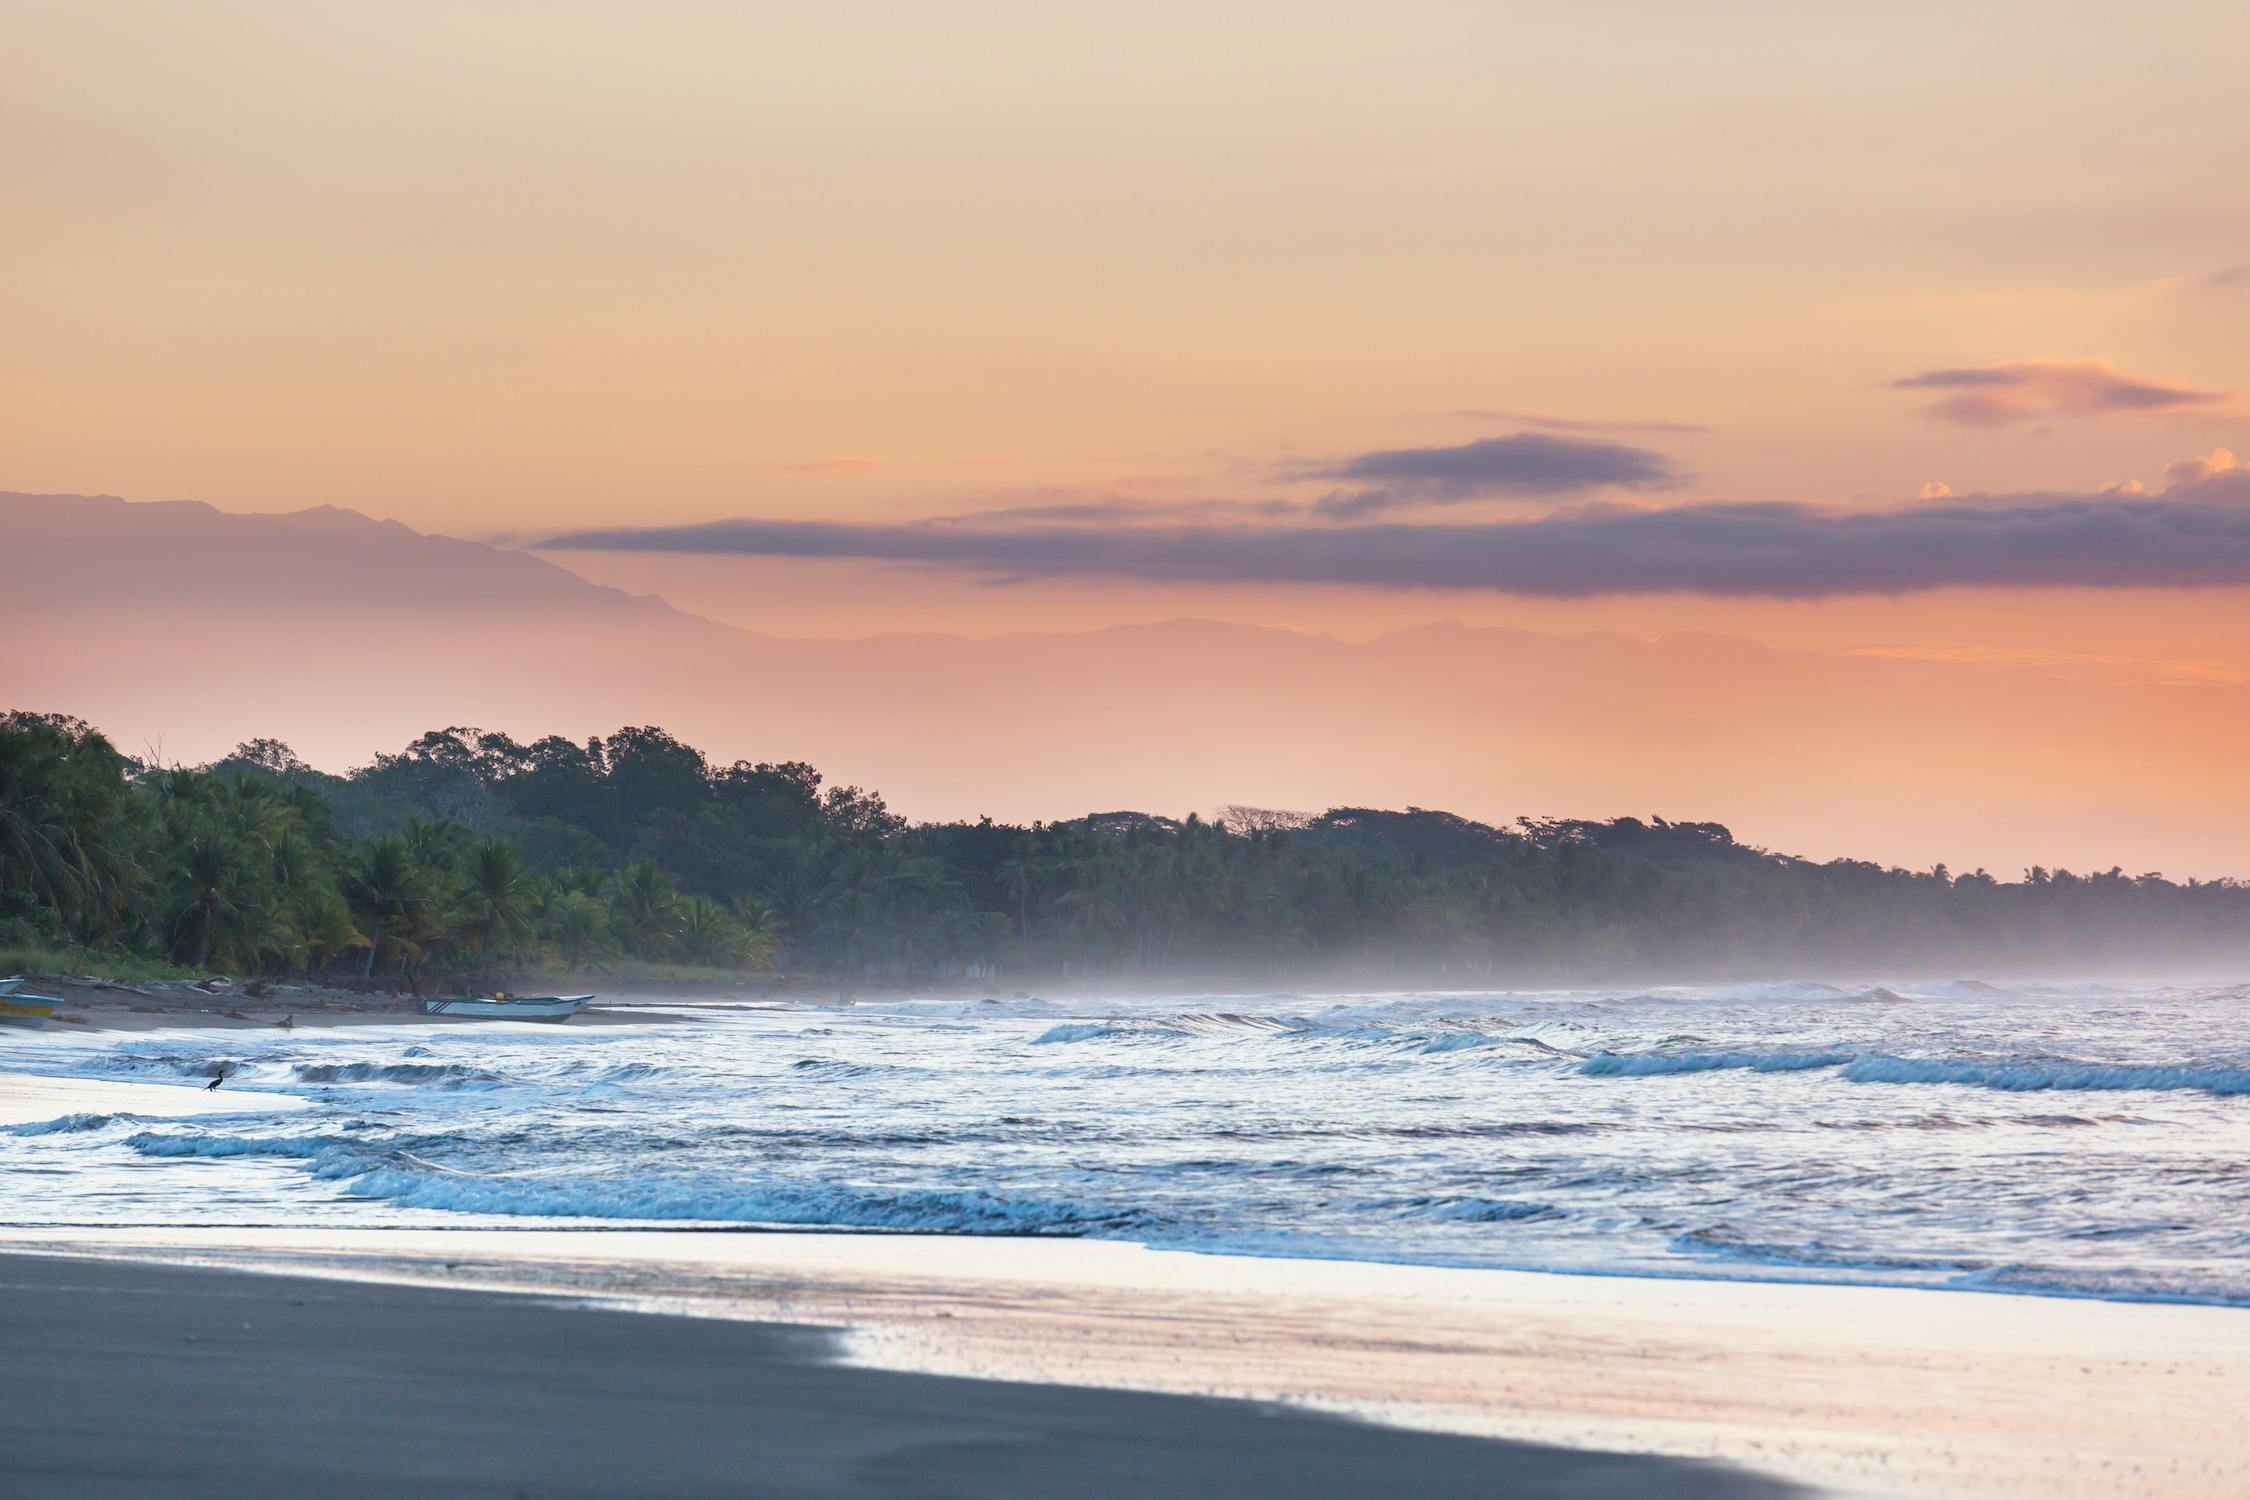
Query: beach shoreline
x=93 y=1004
x=36 y=1099
x=1851 y=1390
x=142 y=1380
x=1854 y=1389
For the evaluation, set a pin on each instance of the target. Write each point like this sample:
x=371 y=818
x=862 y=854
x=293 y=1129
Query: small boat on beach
x=28 y=1011
x=508 y=1007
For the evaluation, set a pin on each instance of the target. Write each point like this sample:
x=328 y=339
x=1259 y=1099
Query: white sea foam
x=66 y=1125
x=1472 y=1210
x=1657 y=1064
x=923 y=1210
x=2033 y=1075
x=445 y=1075
x=2007 y=1075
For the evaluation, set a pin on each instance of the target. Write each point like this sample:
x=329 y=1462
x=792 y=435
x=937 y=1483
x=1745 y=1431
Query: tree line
x=469 y=850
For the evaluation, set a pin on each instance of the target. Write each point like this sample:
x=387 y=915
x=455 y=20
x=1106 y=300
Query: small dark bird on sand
x=212 y=1086
x=288 y=1021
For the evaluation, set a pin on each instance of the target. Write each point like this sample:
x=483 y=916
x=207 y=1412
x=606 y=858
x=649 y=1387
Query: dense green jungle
x=468 y=853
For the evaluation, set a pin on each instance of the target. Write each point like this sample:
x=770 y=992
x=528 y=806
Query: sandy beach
x=1851 y=1390
x=94 y=1004
x=133 y=1380
x=27 y=1099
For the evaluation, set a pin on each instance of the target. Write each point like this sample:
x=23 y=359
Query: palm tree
x=1019 y=877
x=498 y=895
x=917 y=889
x=433 y=841
x=761 y=927
x=706 y=934
x=1147 y=890
x=309 y=917
x=388 y=895
x=215 y=893
x=1098 y=901
x=580 y=926
x=847 y=904
x=798 y=882
x=646 y=903
x=61 y=788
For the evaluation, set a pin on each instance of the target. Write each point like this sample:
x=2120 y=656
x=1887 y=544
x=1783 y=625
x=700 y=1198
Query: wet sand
x=27 y=1098
x=270 y=1018
x=135 y=1380
x=163 y=1005
x=1854 y=1390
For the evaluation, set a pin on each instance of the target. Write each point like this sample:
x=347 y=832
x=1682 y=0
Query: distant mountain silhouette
x=76 y=549
x=183 y=629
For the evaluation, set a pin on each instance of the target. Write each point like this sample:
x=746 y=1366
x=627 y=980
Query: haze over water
x=2062 y=1139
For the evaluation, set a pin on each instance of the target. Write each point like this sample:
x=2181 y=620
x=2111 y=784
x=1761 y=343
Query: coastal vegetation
x=469 y=852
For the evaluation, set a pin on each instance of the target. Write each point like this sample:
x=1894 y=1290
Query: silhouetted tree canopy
x=467 y=849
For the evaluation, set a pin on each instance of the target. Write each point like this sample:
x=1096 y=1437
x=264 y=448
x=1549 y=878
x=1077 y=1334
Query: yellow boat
x=19 y=1009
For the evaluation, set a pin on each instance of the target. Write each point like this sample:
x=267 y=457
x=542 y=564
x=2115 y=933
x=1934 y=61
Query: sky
x=1919 y=329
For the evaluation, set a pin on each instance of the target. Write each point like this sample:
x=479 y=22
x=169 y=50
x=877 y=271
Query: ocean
x=2081 y=1140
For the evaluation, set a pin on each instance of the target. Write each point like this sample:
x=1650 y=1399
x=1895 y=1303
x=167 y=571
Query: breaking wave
x=1719 y=1244
x=1467 y=1210
x=930 y=1211
x=2027 y=1075
x=1086 y=1031
x=1655 y=1064
x=404 y=1179
x=2062 y=1074
x=330 y=1157
x=443 y=1075
x=1435 y=1037
x=67 y=1125
x=1190 y=1024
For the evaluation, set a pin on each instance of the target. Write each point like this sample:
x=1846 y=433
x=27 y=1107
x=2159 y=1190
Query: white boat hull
x=531 y=1008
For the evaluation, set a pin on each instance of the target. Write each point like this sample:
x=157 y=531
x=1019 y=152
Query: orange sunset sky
x=1900 y=332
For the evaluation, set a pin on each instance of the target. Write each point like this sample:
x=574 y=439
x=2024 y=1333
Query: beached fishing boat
x=20 y=1009
x=508 y=1007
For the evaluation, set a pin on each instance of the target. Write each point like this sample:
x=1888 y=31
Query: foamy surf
x=1758 y=1132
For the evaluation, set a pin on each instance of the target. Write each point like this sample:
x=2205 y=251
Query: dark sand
x=162 y=1005
x=128 y=1381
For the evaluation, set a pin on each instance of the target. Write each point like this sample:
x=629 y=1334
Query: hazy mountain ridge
x=73 y=551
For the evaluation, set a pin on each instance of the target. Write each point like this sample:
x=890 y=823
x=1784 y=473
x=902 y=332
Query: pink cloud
x=1578 y=424
x=1999 y=395
x=2181 y=473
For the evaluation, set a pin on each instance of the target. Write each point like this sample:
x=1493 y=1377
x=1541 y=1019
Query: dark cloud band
x=1997 y=395
x=1525 y=463
x=2201 y=537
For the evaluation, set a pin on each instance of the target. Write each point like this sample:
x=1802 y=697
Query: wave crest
x=2006 y=1075
x=399 y=1177
x=67 y=1125
x=1656 y=1064
x=926 y=1210
x=443 y=1075
x=2033 y=1076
